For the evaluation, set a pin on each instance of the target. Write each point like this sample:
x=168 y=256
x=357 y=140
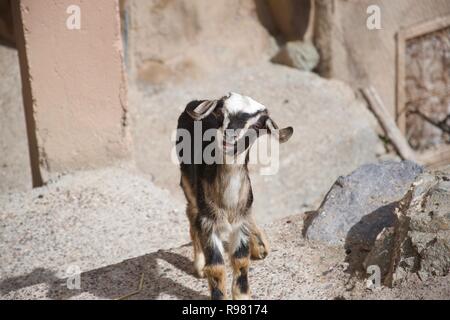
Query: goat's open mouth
x=236 y=147
x=228 y=146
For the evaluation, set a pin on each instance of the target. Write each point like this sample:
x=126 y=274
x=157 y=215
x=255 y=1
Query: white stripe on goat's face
x=240 y=114
x=236 y=103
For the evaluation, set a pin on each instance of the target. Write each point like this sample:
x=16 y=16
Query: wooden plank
x=424 y=28
x=400 y=85
x=388 y=124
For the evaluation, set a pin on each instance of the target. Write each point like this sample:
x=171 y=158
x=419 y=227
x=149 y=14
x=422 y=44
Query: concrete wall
x=351 y=52
x=73 y=85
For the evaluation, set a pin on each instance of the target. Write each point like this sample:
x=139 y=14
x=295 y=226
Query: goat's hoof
x=259 y=250
x=259 y=253
x=199 y=265
x=200 y=273
x=241 y=297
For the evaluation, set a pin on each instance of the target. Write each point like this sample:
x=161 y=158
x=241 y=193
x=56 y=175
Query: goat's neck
x=235 y=166
x=236 y=172
x=232 y=179
x=232 y=169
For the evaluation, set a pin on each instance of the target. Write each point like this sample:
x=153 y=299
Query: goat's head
x=240 y=118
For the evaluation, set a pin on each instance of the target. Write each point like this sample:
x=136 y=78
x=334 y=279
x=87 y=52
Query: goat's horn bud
x=203 y=109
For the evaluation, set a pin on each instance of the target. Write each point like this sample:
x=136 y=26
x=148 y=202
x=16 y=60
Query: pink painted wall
x=74 y=85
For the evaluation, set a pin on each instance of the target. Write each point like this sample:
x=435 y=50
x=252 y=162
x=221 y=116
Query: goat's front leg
x=214 y=262
x=240 y=261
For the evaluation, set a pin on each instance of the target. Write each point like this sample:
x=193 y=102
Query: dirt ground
x=118 y=228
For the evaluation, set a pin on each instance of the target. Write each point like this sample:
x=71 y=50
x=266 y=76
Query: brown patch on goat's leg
x=215 y=264
x=240 y=261
x=216 y=275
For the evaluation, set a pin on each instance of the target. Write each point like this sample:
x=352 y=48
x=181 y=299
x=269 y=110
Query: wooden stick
x=139 y=289
x=442 y=125
x=388 y=124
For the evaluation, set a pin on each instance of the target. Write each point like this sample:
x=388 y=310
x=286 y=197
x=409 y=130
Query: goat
x=219 y=195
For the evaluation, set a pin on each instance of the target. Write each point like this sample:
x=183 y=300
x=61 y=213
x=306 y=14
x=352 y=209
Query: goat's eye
x=257 y=126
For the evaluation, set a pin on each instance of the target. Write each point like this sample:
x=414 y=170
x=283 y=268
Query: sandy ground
x=88 y=219
x=118 y=227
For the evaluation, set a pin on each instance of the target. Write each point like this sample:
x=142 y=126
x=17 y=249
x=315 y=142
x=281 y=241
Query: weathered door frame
x=403 y=35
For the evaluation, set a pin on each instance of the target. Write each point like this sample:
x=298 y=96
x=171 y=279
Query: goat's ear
x=282 y=135
x=285 y=134
x=202 y=110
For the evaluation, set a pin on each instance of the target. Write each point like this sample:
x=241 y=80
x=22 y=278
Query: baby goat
x=219 y=195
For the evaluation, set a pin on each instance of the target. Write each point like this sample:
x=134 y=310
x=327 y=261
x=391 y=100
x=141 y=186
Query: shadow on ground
x=115 y=281
x=361 y=237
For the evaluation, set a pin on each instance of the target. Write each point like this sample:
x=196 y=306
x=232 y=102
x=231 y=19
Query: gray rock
x=298 y=54
x=360 y=205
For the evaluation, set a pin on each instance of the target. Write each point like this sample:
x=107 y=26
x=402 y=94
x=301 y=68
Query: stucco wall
x=73 y=84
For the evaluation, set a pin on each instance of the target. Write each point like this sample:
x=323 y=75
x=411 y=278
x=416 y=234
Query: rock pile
x=419 y=241
x=391 y=215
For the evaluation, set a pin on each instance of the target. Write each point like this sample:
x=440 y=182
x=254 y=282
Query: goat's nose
x=231 y=134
